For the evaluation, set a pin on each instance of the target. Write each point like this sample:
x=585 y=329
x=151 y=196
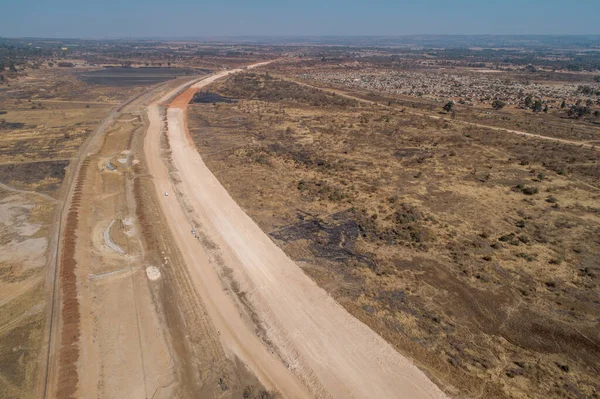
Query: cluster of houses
x=443 y=85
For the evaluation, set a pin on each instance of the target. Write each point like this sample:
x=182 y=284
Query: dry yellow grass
x=425 y=231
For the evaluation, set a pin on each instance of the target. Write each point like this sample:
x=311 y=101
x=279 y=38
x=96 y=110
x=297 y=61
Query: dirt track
x=323 y=346
x=464 y=123
x=87 y=312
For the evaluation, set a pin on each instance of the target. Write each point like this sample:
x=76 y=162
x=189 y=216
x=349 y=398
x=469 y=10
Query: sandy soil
x=129 y=325
x=118 y=326
x=237 y=337
x=104 y=326
x=22 y=253
x=329 y=351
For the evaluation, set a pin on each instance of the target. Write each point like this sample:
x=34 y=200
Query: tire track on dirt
x=25 y=192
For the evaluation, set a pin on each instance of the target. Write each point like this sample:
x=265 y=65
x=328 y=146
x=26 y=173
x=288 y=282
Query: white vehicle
x=166 y=194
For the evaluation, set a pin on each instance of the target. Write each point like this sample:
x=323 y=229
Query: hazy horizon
x=295 y=36
x=113 y=19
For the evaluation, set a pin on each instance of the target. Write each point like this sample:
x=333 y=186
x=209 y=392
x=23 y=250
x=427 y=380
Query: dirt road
x=459 y=122
x=326 y=352
x=82 y=315
x=117 y=330
x=47 y=384
x=235 y=335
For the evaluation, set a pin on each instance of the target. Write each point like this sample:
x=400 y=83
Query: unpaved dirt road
x=47 y=385
x=345 y=94
x=110 y=337
x=118 y=331
x=236 y=336
x=87 y=355
x=307 y=344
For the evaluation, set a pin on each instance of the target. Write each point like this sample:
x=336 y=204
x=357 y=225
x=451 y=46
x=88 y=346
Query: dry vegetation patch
x=24 y=227
x=44 y=118
x=472 y=251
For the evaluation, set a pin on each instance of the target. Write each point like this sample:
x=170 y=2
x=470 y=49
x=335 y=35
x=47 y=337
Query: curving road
x=317 y=348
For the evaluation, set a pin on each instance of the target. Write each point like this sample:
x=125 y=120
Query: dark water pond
x=206 y=97
x=135 y=76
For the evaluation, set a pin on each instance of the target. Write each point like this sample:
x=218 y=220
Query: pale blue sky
x=168 y=18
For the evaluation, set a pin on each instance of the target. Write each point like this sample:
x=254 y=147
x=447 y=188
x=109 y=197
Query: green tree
x=563 y=104
x=12 y=67
x=528 y=101
x=498 y=104
x=597 y=78
x=449 y=106
x=546 y=108
x=537 y=106
x=578 y=111
x=587 y=90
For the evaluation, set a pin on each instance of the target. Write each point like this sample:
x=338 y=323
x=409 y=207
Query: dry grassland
x=472 y=251
x=44 y=118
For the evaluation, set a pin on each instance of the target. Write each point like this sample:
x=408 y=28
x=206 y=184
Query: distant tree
x=12 y=67
x=51 y=64
x=597 y=114
x=578 y=111
x=528 y=101
x=546 y=108
x=589 y=103
x=449 y=106
x=498 y=104
x=563 y=104
x=2 y=66
x=597 y=78
x=537 y=106
x=587 y=90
